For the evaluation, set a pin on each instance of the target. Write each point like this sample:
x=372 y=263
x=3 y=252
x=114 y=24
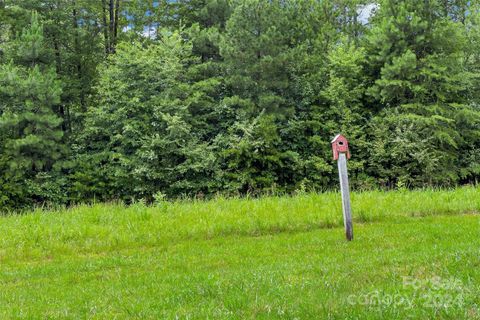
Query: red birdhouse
x=340 y=145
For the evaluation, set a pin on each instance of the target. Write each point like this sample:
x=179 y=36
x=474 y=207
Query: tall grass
x=266 y=258
x=106 y=227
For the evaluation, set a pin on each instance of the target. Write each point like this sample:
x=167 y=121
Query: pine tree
x=254 y=48
x=420 y=87
x=30 y=129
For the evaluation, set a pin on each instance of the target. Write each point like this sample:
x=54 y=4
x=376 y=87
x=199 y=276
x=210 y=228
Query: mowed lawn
x=416 y=255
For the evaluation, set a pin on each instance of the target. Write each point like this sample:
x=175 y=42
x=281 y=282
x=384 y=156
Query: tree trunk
x=115 y=27
x=111 y=11
x=105 y=27
x=79 y=57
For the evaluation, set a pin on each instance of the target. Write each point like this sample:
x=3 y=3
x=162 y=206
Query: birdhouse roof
x=337 y=137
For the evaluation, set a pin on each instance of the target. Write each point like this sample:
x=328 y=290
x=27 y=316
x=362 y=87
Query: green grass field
x=416 y=255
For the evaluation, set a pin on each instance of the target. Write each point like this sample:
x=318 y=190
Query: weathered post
x=341 y=153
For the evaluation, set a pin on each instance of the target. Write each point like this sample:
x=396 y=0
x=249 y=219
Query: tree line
x=147 y=99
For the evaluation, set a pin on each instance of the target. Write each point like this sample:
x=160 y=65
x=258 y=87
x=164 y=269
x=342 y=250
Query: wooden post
x=345 y=190
x=341 y=153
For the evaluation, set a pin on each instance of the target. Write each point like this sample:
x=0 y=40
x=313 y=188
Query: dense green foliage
x=148 y=99
x=268 y=258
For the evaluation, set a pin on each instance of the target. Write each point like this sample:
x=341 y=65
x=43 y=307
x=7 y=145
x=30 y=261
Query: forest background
x=135 y=99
